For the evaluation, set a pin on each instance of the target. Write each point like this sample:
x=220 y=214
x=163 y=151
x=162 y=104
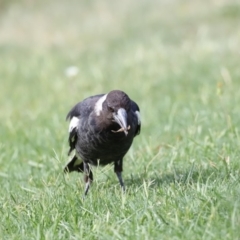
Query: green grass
x=179 y=60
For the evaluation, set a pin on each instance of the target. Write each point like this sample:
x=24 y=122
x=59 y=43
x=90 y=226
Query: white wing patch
x=98 y=105
x=138 y=117
x=73 y=123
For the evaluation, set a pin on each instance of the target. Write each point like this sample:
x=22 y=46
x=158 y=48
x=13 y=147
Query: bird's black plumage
x=101 y=131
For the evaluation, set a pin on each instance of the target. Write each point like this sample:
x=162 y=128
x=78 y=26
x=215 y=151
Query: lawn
x=179 y=60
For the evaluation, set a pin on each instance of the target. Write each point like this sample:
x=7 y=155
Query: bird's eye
x=110 y=109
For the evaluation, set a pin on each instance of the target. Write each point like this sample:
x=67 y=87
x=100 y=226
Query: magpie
x=101 y=131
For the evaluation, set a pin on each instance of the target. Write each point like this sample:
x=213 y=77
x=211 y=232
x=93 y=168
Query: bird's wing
x=136 y=111
x=79 y=111
x=84 y=108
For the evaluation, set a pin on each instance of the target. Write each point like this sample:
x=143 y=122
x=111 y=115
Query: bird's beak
x=121 y=118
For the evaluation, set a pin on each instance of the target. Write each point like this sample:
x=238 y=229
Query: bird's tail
x=74 y=164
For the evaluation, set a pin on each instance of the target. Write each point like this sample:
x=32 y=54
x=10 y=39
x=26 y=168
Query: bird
x=101 y=131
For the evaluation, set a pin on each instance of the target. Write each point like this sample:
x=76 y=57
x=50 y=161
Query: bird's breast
x=102 y=146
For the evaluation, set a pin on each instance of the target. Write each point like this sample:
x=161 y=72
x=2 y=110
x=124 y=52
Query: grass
x=179 y=60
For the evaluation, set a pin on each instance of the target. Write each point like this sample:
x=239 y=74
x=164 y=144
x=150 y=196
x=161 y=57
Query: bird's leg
x=88 y=177
x=118 y=171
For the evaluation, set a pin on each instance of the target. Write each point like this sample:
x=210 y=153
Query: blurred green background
x=178 y=59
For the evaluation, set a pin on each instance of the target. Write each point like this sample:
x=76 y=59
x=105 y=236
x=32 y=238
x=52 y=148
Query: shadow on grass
x=184 y=177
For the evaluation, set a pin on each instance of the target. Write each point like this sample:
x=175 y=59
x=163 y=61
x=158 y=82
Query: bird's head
x=115 y=107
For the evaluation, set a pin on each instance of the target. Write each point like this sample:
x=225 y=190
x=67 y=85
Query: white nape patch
x=138 y=117
x=98 y=105
x=73 y=123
